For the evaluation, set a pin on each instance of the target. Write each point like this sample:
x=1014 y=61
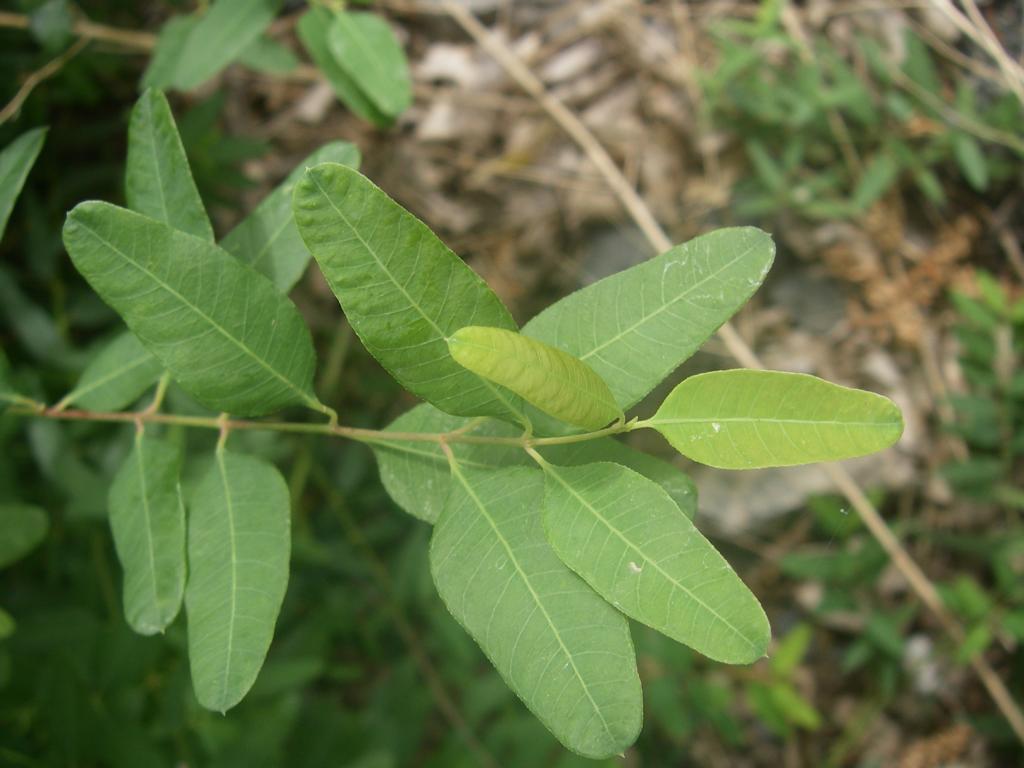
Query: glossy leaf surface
x=553 y=381
x=629 y=541
x=147 y=518
x=223 y=331
x=563 y=650
x=239 y=541
x=744 y=419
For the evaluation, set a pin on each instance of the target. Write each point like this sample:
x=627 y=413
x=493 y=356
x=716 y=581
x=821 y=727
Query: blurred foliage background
x=879 y=144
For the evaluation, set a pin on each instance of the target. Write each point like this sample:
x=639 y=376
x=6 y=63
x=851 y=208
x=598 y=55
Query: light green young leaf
x=16 y=160
x=416 y=474
x=222 y=330
x=220 y=36
x=22 y=528
x=158 y=182
x=265 y=54
x=627 y=539
x=365 y=47
x=879 y=175
x=7 y=624
x=635 y=327
x=745 y=419
x=313 y=30
x=971 y=160
x=239 y=543
x=170 y=44
x=565 y=652
x=402 y=289
x=267 y=239
x=553 y=381
x=116 y=377
x=147 y=518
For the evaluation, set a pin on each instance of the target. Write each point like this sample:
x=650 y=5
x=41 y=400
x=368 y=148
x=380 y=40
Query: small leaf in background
x=402 y=289
x=565 y=652
x=636 y=327
x=879 y=175
x=222 y=330
x=971 y=160
x=743 y=419
x=51 y=23
x=7 y=624
x=34 y=327
x=791 y=650
x=312 y=30
x=628 y=540
x=264 y=54
x=170 y=43
x=116 y=377
x=158 y=182
x=219 y=37
x=16 y=161
x=267 y=239
x=239 y=542
x=22 y=528
x=147 y=519
x=365 y=47
x=550 y=379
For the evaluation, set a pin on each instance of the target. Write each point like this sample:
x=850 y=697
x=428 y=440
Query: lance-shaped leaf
x=22 y=528
x=565 y=652
x=239 y=543
x=417 y=477
x=158 y=182
x=553 y=381
x=744 y=419
x=219 y=37
x=402 y=289
x=628 y=540
x=267 y=239
x=365 y=47
x=116 y=377
x=16 y=161
x=147 y=518
x=637 y=326
x=313 y=29
x=227 y=336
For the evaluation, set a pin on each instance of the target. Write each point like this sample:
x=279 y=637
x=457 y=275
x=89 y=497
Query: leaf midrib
x=230 y=509
x=140 y=464
x=655 y=421
x=77 y=394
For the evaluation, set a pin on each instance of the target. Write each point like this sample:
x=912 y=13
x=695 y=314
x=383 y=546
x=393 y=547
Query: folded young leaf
x=553 y=381
x=16 y=160
x=417 y=477
x=239 y=543
x=116 y=377
x=628 y=540
x=147 y=518
x=267 y=239
x=637 y=326
x=219 y=37
x=22 y=528
x=403 y=291
x=744 y=419
x=565 y=652
x=313 y=29
x=364 y=46
x=222 y=330
x=158 y=182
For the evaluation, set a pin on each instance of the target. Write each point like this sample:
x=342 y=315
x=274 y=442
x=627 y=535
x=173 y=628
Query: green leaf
x=219 y=37
x=365 y=47
x=267 y=239
x=170 y=44
x=971 y=160
x=313 y=30
x=628 y=540
x=264 y=54
x=553 y=381
x=744 y=419
x=402 y=289
x=158 y=182
x=239 y=539
x=51 y=24
x=222 y=330
x=7 y=625
x=635 y=327
x=879 y=175
x=565 y=652
x=416 y=474
x=22 y=528
x=147 y=518
x=16 y=161
x=116 y=377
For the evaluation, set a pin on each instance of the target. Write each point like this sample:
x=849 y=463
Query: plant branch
x=738 y=348
x=48 y=70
